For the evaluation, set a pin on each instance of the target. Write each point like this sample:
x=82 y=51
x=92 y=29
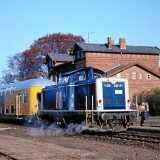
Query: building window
x=148 y=76
x=134 y=75
x=127 y=75
x=25 y=97
x=50 y=64
x=79 y=54
x=140 y=76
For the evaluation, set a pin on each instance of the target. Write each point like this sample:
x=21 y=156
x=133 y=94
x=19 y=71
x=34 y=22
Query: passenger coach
x=22 y=99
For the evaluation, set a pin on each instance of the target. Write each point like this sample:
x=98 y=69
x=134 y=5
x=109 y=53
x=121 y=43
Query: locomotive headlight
x=100 y=101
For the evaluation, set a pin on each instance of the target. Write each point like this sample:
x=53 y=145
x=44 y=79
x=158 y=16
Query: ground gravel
x=27 y=143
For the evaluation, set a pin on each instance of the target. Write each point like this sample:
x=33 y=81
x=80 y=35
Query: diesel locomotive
x=86 y=95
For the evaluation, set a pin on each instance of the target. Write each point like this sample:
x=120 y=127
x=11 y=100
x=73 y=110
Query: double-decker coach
x=21 y=100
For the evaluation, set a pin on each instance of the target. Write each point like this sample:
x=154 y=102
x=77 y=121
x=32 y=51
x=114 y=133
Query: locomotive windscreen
x=113 y=95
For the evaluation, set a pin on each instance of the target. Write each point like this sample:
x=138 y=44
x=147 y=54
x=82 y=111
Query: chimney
x=122 y=43
x=110 y=42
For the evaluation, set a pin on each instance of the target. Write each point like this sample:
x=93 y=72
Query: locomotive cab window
x=80 y=76
x=97 y=75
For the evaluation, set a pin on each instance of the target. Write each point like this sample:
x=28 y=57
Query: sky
x=24 y=21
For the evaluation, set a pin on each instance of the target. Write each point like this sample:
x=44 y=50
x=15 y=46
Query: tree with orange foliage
x=29 y=64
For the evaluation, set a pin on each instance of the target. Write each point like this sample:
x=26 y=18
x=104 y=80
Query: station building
x=139 y=64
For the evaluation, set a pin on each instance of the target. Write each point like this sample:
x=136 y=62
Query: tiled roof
x=123 y=67
x=61 y=57
x=117 y=69
x=115 y=48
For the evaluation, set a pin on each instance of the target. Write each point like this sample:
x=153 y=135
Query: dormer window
x=50 y=63
x=79 y=54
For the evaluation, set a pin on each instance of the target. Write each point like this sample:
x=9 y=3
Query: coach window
x=7 y=91
x=12 y=109
x=1 y=109
x=25 y=97
x=134 y=75
x=12 y=91
x=7 y=109
x=2 y=92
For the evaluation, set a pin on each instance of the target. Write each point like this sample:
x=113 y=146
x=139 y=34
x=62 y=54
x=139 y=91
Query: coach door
x=18 y=105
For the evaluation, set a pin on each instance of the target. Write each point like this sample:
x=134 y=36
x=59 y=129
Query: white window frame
x=127 y=75
x=118 y=75
x=140 y=76
x=134 y=75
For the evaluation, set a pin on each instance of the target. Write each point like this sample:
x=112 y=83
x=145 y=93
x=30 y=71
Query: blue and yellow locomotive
x=85 y=95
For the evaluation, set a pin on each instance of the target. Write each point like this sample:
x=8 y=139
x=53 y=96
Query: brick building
x=141 y=61
x=139 y=76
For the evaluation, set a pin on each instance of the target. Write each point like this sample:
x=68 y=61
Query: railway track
x=138 y=138
x=4 y=156
x=142 y=137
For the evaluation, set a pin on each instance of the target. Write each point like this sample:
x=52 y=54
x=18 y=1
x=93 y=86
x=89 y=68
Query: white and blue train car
x=85 y=95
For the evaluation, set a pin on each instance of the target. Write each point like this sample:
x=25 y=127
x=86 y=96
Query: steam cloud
x=54 y=130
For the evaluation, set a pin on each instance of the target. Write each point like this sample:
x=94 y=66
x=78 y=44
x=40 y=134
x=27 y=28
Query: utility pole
x=89 y=35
